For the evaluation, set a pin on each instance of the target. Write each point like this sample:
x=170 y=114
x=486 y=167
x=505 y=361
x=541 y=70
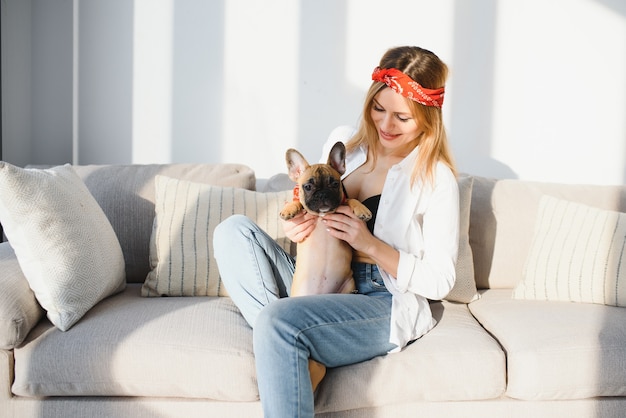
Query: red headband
x=406 y=86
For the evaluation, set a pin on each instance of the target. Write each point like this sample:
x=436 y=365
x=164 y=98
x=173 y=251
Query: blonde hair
x=429 y=71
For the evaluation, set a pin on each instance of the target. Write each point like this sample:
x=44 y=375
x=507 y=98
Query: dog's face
x=320 y=189
x=320 y=186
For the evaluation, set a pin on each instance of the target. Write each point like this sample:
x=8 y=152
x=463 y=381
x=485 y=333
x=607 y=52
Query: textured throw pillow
x=19 y=310
x=464 y=289
x=62 y=239
x=181 y=246
x=577 y=255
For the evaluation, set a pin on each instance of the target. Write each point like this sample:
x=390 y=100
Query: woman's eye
x=377 y=108
x=403 y=119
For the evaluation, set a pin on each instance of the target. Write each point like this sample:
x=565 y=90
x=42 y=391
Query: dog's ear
x=337 y=157
x=296 y=164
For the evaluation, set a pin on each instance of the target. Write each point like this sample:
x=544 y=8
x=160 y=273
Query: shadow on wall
x=106 y=81
x=197 y=80
x=108 y=64
x=474 y=52
x=618 y=6
x=323 y=23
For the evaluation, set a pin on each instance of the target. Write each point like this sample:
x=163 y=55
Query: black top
x=372 y=204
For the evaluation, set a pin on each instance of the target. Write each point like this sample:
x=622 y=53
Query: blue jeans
x=333 y=329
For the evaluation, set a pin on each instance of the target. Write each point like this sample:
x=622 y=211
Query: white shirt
x=422 y=224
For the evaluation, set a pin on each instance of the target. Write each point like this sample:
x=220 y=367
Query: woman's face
x=397 y=129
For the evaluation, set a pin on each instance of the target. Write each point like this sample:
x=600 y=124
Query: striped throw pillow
x=577 y=255
x=181 y=245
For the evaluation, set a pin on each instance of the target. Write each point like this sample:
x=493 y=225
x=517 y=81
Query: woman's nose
x=387 y=122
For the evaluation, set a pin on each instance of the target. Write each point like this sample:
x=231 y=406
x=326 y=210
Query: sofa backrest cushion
x=577 y=255
x=181 y=247
x=126 y=194
x=502 y=222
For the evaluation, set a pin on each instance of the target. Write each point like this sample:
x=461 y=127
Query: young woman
x=399 y=164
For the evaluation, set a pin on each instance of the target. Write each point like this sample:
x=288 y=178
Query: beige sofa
x=132 y=355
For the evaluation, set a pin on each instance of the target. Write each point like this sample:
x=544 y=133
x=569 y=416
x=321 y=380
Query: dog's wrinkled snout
x=323 y=201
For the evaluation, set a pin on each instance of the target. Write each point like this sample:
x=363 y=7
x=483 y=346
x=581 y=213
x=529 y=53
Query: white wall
x=537 y=88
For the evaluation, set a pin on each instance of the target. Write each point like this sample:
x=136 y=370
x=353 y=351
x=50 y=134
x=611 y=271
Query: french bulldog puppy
x=323 y=264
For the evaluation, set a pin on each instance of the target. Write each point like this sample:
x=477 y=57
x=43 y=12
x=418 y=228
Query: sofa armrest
x=19 y=310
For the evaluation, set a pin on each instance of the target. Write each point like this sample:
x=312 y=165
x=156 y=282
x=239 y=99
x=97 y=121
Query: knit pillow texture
x=464 y=289
x=577 y=255
x=63 y=241
x=181 y=245
x=19 y=309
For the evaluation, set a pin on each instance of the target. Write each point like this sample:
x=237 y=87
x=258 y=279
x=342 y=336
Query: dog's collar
x=296 y=194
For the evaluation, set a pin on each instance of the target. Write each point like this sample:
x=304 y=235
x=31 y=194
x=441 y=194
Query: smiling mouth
x=386 y=135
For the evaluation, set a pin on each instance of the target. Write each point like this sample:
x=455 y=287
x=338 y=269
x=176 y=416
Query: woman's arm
x=431 y=272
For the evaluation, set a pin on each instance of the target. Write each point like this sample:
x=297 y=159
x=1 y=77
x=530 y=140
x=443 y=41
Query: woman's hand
x=300 y=226
x=346 y=226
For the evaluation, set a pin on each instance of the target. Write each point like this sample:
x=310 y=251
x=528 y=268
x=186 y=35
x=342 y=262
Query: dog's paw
x=360 y=210
x=290 y=210
x=364 y=215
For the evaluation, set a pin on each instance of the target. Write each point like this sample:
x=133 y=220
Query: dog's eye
x=334 y=184
x=307 y=187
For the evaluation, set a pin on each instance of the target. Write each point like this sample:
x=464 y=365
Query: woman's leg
x=254 y=268
x=334 y=330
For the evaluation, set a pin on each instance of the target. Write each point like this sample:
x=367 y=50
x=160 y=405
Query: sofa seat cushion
x=557 y=350
x=456 y=361
x=133 y=346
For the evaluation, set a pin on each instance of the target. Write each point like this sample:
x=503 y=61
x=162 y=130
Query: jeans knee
x=232 y=225
x=266 y=320
x=273 y=322
x=230 y=230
